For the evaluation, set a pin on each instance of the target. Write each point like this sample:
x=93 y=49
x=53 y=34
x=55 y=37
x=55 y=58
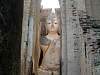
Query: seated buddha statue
x=50 y=46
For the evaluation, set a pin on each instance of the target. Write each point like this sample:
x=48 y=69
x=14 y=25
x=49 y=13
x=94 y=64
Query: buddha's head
x=52 y=23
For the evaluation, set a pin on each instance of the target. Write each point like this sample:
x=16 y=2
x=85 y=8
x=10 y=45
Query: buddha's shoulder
x=44 y=40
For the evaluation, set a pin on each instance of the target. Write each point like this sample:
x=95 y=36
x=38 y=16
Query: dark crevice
x=10 y=36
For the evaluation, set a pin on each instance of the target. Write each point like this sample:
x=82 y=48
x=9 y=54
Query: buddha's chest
x=52 y=55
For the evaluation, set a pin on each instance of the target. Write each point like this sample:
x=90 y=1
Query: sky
x=50 y=4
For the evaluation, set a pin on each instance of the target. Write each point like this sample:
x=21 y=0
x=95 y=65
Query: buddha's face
x=52 y=25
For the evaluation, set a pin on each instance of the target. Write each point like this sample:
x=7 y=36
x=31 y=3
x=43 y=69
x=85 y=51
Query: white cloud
x=50 y=4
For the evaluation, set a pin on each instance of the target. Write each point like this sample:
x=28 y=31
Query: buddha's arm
x=44 y=48
x=47 y=47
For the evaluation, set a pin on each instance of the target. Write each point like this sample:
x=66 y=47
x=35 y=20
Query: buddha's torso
x=51 y=59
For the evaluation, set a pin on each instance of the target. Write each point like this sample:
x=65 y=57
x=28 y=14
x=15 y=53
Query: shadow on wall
x=10 y=36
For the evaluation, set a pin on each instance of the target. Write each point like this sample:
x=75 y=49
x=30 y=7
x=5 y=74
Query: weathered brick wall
x=93 y=8
x=24 y=40
x=70 y=37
